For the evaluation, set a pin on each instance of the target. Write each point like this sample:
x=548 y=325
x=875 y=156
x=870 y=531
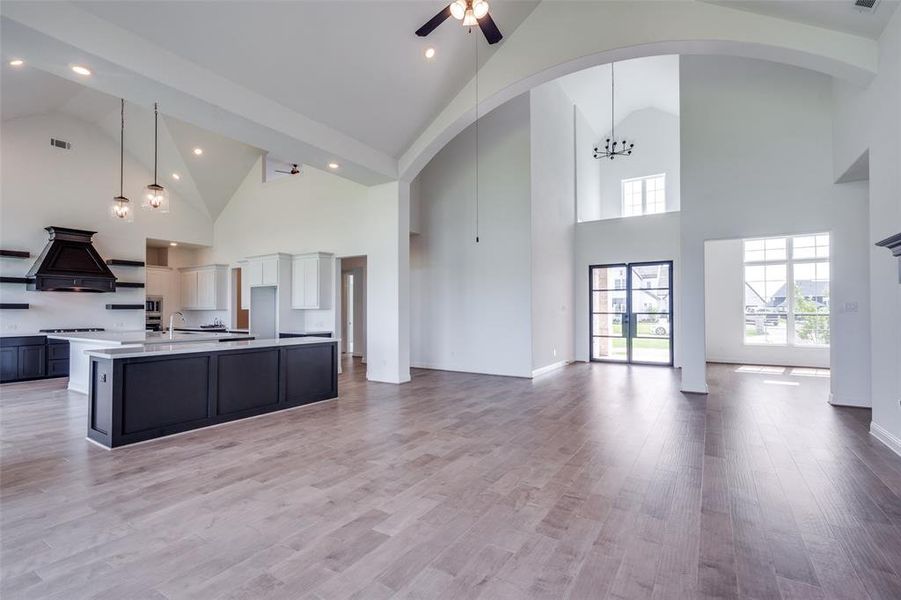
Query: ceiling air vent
x=866 y=5
x=60 y=144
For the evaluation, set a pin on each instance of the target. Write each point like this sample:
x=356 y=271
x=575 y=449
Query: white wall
x=630 y=239
x=870 y=120
x=319 y=211
x=724 y=300
x=44 y=186
x=656 y=137
x=757 y=160
x=553 y=224
x=470 y=302
x=588 y=171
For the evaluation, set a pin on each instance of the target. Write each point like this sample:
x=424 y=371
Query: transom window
x=644 y=195
x=786 y=299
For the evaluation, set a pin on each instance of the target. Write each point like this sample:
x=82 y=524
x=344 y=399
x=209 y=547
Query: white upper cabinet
x=311 y=279
x=204 y=288
x=261 y=270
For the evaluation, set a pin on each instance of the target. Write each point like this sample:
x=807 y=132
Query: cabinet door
x=255 y=272
x=311 y=283
x=152 y=283
x=206 y=290
x=297 y=283
x=189 y=290
x=9 y=364
x=245 y=288
x=270 y=271
x=32 y=361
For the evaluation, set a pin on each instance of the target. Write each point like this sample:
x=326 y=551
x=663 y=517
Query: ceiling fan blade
x=492 y=33
x=279 y=171
x=434 y=22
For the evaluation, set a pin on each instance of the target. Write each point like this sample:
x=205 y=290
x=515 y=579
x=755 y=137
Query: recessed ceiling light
x=198 y=151
x=16 y=62
x=333 y=165
x=81 y=70
x=430 y=53
x=176 y=176
x=173 y=243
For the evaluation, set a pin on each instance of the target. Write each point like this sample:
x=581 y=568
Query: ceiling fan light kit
x=470 y=13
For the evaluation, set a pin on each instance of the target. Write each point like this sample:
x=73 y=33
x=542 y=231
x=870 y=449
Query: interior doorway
x=241 y=315
x=353 y=306
x=631 y=311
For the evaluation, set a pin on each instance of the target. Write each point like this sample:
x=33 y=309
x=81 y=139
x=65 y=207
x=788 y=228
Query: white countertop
x=201 y=347
x=121 y=338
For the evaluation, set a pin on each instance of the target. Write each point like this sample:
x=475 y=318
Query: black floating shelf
x=129 y=284
x=15 y=280
x=125 y=307
x=15 y=253
x=118 y=262
x=13 y=305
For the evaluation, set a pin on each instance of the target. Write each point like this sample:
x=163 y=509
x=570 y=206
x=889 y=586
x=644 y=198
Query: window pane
x=608 y=278
x=607 y=324
x=650 y=301
x=650 y=276
x=765 y=328
x=608 y=301
x=810 y=246
x=811 y=287
x=812 y=330
x=608 y=348
x=775 y=248
x=632 y=197
x=652 y=326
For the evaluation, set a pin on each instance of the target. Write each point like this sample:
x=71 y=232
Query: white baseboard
x=549 y=368
x=886 y=437
x=849 y=402
x=433 y=367
x=695 y=390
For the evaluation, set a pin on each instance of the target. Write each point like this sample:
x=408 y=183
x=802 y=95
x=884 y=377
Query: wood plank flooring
x=596 y=481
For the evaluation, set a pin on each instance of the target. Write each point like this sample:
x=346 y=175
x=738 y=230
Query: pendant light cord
x=476 y=38
x=156 y=147
x=612 y=105
x=122 y=149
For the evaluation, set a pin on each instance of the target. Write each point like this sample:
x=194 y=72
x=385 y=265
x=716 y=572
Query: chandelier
x=613 y=148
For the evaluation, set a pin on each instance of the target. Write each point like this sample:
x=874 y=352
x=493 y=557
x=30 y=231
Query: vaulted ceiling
x=207 y=181
x=308 y=81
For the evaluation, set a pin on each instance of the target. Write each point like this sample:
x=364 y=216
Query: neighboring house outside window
x=644 y=195
x=786 y=291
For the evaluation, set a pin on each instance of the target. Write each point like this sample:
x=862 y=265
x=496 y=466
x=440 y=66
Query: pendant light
x=120 y=209
x=156 y=197
x=612 y=151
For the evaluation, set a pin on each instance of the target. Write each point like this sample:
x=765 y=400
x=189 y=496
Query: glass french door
x=631 y=308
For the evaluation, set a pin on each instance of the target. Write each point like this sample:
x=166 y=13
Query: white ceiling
x=651 y=82
x=355 y=66
x=208 y=181
x=840 y=15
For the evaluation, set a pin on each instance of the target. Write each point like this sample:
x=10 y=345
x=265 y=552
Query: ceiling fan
x=471 y=13
x=294 y=170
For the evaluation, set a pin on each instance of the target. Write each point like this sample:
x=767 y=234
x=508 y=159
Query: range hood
x=69 y=263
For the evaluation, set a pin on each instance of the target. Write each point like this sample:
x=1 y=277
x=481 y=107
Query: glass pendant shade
x=156 y=198
x=469 y=20
x=480 y=8
x=120 y=210
x=458 y=9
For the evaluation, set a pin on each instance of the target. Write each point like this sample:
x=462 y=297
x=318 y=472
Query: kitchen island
x=80 y=343
x=139 y=393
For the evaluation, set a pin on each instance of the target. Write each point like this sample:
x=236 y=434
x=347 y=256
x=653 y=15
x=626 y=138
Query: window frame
x=644 y=194
x=789 y=262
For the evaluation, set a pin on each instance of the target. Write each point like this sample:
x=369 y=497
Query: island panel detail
x=133 y=399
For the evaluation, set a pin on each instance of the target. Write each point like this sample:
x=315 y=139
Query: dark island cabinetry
x=137 y=398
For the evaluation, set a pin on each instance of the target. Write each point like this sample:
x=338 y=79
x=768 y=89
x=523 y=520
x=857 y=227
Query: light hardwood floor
x=596 y=481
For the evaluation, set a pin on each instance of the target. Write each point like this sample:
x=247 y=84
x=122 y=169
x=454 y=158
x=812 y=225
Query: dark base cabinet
x=137 y=399
x=33 y=357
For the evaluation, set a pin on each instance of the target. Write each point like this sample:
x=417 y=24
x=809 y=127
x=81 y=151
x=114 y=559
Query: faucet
x=172 y=322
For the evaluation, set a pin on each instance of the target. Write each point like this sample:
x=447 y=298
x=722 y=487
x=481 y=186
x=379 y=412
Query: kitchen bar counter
x=145 y=392
x=80 y=343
